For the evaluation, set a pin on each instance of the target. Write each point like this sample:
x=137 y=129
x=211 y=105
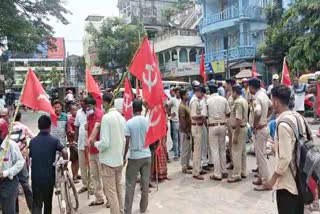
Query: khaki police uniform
x=217 y=108
x=260 y=105
x=239 y=154
x=196 y=131
x=231 y=103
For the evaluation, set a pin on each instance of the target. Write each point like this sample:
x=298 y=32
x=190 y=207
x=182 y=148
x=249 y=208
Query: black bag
x=307 y=160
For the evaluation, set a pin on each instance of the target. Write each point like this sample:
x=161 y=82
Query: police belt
x=240 y=127
x=216 y=124
x=197 y=124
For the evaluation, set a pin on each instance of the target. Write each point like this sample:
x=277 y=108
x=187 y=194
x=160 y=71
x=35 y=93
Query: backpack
x=307 y=161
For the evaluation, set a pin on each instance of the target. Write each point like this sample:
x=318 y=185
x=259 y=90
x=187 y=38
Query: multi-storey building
x=89 y=49
x=149 y=12
x=46 y=60
x=232 y=31
x=178 y=47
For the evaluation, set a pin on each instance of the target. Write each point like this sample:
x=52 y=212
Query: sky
x=73 y=33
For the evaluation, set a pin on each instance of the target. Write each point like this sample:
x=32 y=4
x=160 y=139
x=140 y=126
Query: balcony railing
x=229 y=13
x=240 y=52
x=177 y=32
x=250 y=12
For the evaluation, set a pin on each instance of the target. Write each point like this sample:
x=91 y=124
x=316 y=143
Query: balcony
x=230 y=17
x=177 y=37
x=240 y=52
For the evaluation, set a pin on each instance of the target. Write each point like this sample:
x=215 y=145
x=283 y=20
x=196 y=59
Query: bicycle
x=65 y=189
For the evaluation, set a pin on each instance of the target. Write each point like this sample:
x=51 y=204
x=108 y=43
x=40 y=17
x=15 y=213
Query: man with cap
x=260 y=110
x=217 y=110
x=197 y=123
x=238 y=122
x=275 y=82
x=229 y=83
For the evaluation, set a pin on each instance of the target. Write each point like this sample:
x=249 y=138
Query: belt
x=261 y=126
x=240 y=127
x=197 y=124
x=217 y=124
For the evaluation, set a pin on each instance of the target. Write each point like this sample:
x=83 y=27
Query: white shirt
x=174 y=104
x=2 y=103
x=13 y=160
x=112 y=139
x=69 y=97
x=80 y=122
x=269 y=89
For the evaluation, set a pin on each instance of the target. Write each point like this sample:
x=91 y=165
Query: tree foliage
x=294 y=33
x=24 y=23
x=115 y=42
x=179 y=6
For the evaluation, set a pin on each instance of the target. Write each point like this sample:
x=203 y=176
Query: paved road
x=182 y=194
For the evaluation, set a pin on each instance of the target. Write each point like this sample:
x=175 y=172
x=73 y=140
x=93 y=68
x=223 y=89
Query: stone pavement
x=182 y=194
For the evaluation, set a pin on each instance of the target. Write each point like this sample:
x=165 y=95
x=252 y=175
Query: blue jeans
x=8 y=195
x=175 y=138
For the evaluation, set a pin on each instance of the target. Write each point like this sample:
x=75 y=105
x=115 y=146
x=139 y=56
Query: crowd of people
x=209 y=130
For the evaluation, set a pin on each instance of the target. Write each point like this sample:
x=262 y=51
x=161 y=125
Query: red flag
x=127 y=100
x=318 y=98
x=157 y=125
x=203 y=69
x=254 y=69
x=35 y=97
x=285 y=79
x=93 y=89
x=145 y=68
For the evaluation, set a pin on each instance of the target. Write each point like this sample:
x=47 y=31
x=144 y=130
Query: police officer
x=261 y=109
x=238 y=121
x=229 y=83
x=217 y=110
x=197 y=123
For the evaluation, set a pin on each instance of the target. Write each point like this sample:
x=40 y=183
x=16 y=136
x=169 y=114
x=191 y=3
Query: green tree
x=115 y=42
x=294 y=33
x=24 y=22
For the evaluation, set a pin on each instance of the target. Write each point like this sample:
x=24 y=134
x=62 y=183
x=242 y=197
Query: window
x=183 y=55
x=193 y=55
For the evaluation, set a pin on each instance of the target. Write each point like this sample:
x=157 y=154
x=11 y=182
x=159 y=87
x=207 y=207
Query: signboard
x=96 y=71
x=218 y=66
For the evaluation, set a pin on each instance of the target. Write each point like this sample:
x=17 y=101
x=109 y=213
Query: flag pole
x=6 y=140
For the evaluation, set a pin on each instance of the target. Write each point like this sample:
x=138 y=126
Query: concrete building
x=177 y=48
x=232 y=31
x=46 y=60
x=89 y=49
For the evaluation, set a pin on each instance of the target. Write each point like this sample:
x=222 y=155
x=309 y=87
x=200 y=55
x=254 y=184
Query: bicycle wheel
x=72 y=193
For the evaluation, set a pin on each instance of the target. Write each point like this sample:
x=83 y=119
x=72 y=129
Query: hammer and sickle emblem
x=148 y=81
x=153 y=122
x=44 y=97
x=126 y=101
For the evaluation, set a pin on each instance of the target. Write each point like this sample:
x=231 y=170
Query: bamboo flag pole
x=6 y=141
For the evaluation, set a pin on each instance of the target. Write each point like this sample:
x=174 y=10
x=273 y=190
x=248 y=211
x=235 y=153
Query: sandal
x=82 y=190
x=95 y=203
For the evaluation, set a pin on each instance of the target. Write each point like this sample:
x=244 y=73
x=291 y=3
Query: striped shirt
x=60 y=131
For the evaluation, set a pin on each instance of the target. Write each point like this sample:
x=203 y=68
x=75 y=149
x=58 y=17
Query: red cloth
x=254 y=69
x=93 y=88
x=145 y=68
x=157 y=125
x=96 y=117
x=4 y=128
x=203 y=69
x=127 y=100
x=285 y=79
x=160 y=164
x=35 y=97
